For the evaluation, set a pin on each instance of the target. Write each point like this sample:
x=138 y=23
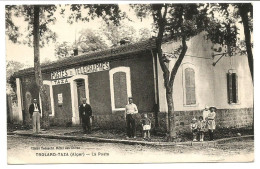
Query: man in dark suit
x=35 y=113
x=85 y=113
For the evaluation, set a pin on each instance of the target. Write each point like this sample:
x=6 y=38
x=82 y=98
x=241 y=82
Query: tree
x=180 y=22
x=90 y=41
x=63 y=50
x=38 y=18
x=11 y=68
x=144 y=34
x=246 y=14
x=116 y=33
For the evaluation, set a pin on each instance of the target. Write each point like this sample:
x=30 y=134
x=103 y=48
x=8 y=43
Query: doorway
x=79 y=90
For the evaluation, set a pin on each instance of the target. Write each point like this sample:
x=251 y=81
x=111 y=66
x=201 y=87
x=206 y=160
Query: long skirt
x=211 y=124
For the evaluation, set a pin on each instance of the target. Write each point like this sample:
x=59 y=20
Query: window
x=120 y=87
x=189 y=84
x=232 y=87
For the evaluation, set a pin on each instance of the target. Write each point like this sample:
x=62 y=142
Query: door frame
x=74 y=96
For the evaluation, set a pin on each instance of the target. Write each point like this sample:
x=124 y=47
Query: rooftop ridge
x=94 y=55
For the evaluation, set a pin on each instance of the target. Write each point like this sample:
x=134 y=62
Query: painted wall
x=142 y=82
x=63 y=113
x=142 y=87
x=211 y=82
x=239 y=64
x=99 y=93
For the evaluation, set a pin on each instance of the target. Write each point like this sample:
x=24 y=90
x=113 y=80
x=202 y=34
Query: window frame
x=184 y=67
x=125 y=70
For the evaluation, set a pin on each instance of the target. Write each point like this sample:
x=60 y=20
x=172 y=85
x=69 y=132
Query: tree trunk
x=243 y=10
x=37 y=68
x=171 y=118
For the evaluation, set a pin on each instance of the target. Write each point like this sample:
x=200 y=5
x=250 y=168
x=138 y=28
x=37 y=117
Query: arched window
x=120 y=87
x=189 y=85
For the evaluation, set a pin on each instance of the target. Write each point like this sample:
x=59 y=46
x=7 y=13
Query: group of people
x=204 y=124
x=198 y=127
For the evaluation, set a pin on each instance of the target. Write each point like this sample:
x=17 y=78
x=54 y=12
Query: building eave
x=92 y=57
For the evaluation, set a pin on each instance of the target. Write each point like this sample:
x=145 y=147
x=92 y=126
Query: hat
x=212 y=107
x=84 y=99
x=206 y=107
x=194 y=119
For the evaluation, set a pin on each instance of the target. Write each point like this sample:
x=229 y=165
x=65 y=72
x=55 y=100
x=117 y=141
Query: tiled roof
x=94 y=56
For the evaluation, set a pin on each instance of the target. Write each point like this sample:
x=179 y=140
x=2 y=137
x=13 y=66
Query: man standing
x=35 y=112
x=85 y=112
x=130 y=113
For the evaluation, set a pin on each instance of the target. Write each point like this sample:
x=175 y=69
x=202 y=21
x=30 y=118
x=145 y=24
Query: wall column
x=19 y=100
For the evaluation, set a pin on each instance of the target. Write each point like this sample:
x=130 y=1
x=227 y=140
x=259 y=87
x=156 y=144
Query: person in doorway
x=35 y=112
x=85 y=112
x=211 y=122
x=130 y=115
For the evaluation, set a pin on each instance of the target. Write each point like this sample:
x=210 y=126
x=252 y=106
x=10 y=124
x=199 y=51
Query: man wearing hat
x=85 y=113
x=130 y=112
x=35 y=112
x=211 y=122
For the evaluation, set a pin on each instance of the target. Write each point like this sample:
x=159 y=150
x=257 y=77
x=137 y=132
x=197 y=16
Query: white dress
x=211 y=121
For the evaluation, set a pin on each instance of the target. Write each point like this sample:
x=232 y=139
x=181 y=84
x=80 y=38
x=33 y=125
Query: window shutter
x=190 y=86
x=120 y=89
x=229 y=88
x=235 y=88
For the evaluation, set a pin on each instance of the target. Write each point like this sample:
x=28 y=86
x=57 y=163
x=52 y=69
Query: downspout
x=156 y=107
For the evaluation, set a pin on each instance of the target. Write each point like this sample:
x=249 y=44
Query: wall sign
x=61 y=76
x=60 y=99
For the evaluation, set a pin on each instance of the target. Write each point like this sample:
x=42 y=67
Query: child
x=201 y=128
x=194 y=128
x=146 y=124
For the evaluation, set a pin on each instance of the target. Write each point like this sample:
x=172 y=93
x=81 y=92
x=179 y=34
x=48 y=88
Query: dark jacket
x=31 y=108
x=85 y=112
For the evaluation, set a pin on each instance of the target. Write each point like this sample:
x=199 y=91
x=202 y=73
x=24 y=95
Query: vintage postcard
x=129 y=83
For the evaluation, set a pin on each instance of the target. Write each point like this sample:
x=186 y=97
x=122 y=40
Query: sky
x=66 y=32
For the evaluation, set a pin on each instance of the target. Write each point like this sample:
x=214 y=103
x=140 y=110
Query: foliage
x=115 y=33
x=25 y=12
x=64 y=49
x=11 y=68
x=86 y=12
x=91 y=41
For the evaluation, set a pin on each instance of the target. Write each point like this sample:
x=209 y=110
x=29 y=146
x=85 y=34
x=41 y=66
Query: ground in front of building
x=23 y=149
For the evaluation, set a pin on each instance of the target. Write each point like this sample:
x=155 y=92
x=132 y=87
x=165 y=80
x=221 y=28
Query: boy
x=201 y=128
x=194 y=128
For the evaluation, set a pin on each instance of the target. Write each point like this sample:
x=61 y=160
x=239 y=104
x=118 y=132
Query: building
x=107 y=78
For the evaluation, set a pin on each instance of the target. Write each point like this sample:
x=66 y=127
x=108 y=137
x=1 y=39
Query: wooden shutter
x=234 y=88
x=190 y=86
x=120 y=89
x=229 y=88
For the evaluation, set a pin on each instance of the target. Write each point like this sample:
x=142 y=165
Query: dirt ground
x=39 y=150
